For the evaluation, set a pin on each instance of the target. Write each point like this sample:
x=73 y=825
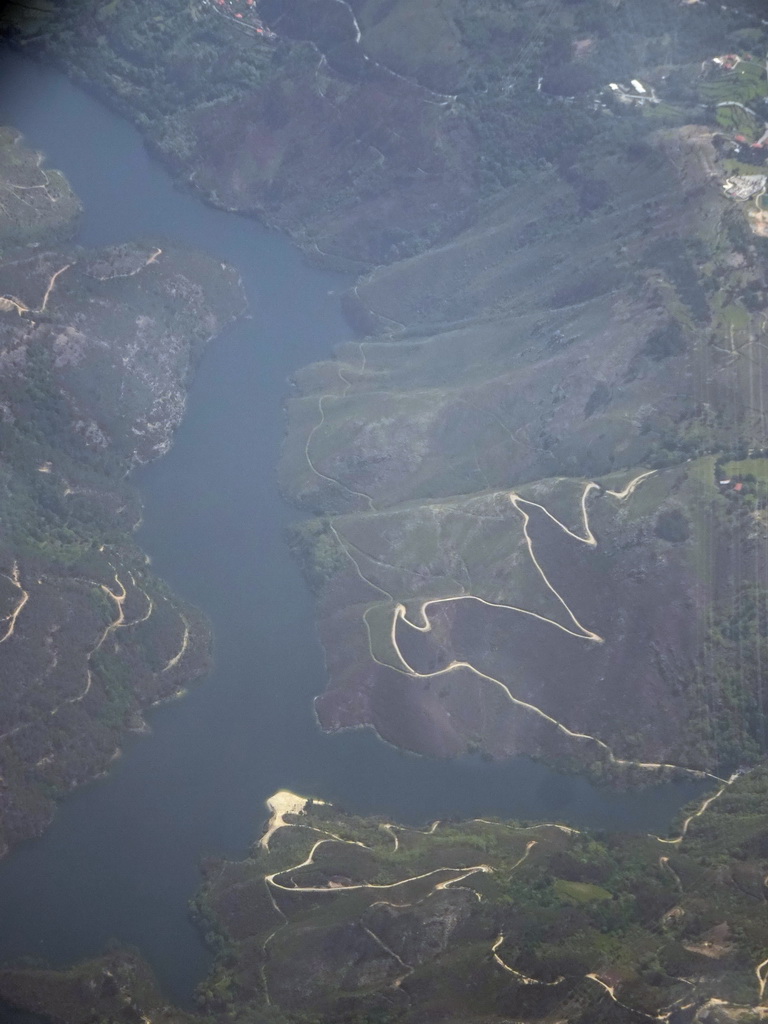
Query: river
x=121 y=859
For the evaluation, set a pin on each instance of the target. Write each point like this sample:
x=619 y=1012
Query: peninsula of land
x=96 y=350
x=339 y=918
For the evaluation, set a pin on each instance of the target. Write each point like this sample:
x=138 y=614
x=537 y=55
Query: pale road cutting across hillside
x=422 y=623
x=286 y=803
x=15 y=579
x=8 y=302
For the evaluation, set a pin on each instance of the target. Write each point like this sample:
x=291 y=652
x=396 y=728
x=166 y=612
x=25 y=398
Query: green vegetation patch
x=36 y=202
x=560 y=912
x=758 y=468
x=580 y=892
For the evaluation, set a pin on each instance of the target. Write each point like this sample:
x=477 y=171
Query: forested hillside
x=96 y=350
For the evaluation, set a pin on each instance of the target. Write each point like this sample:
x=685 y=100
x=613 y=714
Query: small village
x=729 y=83
x=637 y=94
x=745 y=148
x=243 y=13
x=735 y=87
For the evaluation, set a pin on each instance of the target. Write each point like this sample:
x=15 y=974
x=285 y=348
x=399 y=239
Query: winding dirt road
x=462 y=873
x=9 y=302
x=11 y=619
x=523 y=979
x=174 y=661
x=422 y=623
x=700 y=810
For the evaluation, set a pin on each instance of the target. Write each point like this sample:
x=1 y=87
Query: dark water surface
x=121 y=859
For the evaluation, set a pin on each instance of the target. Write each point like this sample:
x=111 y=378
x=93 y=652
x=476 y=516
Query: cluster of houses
x=734 y=484
x=728 y=61
x=636 y=94
x=738 y=486
x=243 y=12
x=745 y=186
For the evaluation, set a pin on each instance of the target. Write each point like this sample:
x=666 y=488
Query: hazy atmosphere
x=383 y=512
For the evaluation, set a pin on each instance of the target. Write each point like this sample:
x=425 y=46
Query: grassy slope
x=406 y=421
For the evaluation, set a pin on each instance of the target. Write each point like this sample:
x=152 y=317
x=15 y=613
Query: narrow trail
x=118 y=596
x=355 y=24
x=12 y=618
x=667 y=868
x=152 y=258
x=174 y=661
x=423 y=624
x=611 y=757
x=409 y=968
x=761 y=974
x=589 y=540
x=761 y=970
x=51 y=286
x=16 y=190
x=150 y=603
x=9 y=302
x=523 y=979
x=384 y=565
x=528 y=847
x=462 y=874
x=318 y=426
x=444 y=98
x=631 y=487
x=394 y=829
x=440 y=99
x=345 y=548
x=372 y=312
x=284 y=802
x=699 y=811
x=631 y=1009
x=529 y=828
